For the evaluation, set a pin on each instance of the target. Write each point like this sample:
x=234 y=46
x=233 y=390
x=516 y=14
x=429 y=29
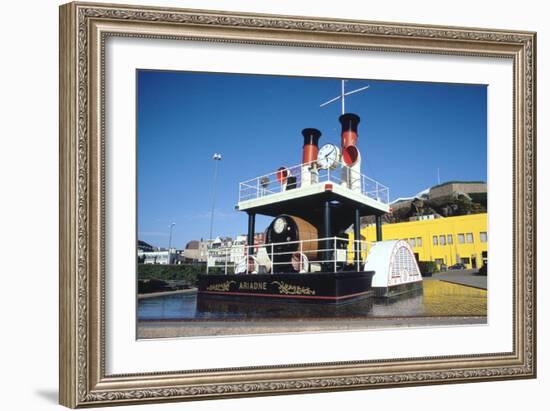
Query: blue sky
x=408 y=130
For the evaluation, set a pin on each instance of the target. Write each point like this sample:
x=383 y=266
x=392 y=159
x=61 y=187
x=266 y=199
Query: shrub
x=427 y=268
x=178 y=272
x=151 y=286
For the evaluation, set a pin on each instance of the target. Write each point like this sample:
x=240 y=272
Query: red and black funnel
x=350 y=152
x=311 y=144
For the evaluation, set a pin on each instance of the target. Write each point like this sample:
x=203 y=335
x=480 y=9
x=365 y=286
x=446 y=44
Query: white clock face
x=328 y=156
x=279 y=225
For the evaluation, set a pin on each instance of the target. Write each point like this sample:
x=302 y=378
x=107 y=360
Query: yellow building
x=447 y=241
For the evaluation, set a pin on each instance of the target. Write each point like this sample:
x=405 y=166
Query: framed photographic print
x=260 y=204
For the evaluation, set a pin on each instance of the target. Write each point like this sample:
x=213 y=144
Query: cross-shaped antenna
x=343 y=95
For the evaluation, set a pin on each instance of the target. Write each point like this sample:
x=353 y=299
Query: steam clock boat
x=307 y=255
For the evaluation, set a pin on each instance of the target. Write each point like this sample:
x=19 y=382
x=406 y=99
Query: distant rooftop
x=458 y=182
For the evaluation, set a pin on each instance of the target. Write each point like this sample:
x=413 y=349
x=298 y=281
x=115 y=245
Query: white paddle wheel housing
x=396 y=269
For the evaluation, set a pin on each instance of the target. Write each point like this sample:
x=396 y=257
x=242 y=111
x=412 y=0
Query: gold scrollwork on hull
x=220 y=286
x=291 y=289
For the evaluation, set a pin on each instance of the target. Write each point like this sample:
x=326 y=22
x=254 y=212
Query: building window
x=465 y=260
x=483 y=237
x=412 y=242
x=461 y=238
x=435 y=239
x=449 y=238
x=441 y=240
x=419 y=241
x=469 y=238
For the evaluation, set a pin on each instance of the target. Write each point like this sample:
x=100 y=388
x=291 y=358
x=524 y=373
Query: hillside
x=453 y=198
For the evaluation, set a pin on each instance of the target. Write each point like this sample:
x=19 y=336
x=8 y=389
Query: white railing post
x=272 y=261
x=334 y=253
x=301 y=251
x=358 y=252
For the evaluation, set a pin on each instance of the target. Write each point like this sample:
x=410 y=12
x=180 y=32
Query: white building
x=158 y=257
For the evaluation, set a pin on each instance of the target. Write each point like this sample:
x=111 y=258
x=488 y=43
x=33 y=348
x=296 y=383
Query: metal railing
x=329 y=254
x=307 y=174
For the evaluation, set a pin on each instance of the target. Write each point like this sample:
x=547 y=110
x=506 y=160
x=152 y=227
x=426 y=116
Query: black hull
x=326 y=288
x=269 y=308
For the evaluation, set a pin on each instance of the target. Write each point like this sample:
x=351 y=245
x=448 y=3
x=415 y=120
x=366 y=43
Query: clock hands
x=328 y=155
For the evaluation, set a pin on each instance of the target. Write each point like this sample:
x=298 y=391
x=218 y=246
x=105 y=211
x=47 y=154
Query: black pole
x=378 y=228
x=251 y=223
x=357 y=235
x=327 y=232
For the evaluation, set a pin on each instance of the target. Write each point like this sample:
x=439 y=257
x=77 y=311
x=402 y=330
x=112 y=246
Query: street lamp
x=216 y=157
x=170 y=239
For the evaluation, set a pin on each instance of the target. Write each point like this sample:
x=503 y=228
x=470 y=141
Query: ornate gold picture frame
x=84 y=29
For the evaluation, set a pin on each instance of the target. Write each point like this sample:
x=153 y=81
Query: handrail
x=268 y=184
x=341 y=252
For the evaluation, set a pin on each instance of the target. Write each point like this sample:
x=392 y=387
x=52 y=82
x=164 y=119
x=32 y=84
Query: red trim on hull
x=309 y=297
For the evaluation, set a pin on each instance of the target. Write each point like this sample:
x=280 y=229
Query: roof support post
x=251 y=229
x=378 y=228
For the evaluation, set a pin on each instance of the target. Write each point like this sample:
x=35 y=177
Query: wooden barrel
x=285 y=231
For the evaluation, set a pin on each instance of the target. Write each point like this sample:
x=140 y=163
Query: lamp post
x=170 y=238
x=170 y=244
x=216 y=157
